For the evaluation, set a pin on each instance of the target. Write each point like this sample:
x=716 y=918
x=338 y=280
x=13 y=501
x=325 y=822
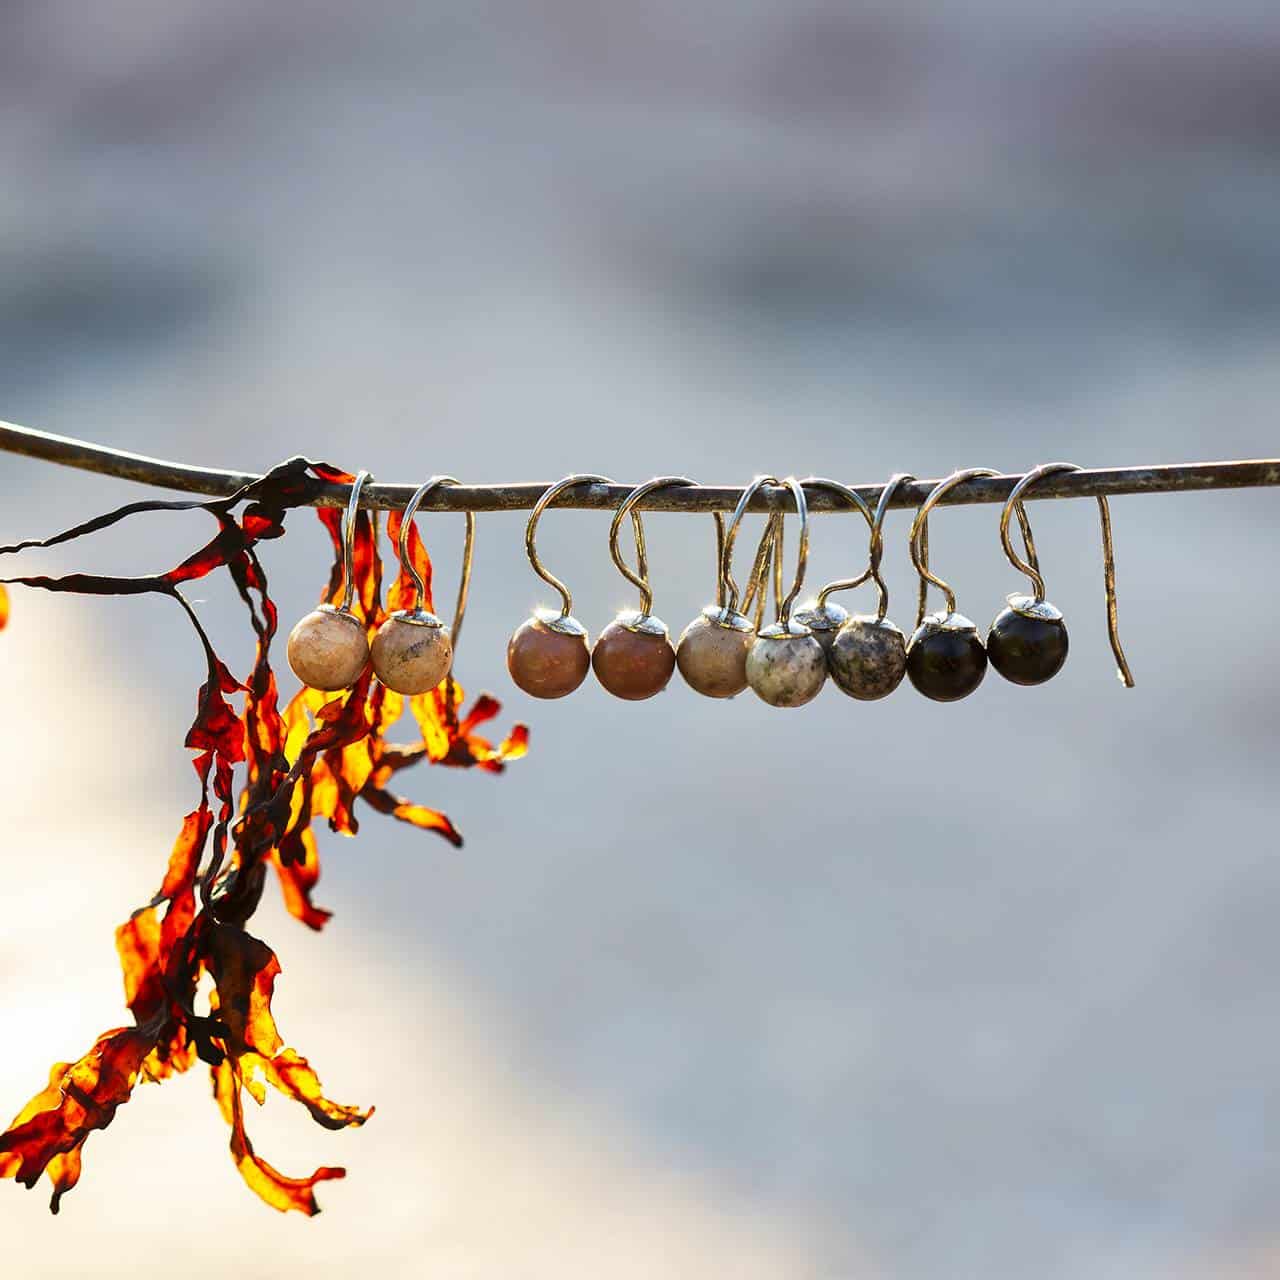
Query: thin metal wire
x=1031 y=566
x=349 y=540
x=920 y=530
x=855 y=499
x=639 y=580
x=602 y=496
x=731 y=535
x=468 y=549
x=802 y=554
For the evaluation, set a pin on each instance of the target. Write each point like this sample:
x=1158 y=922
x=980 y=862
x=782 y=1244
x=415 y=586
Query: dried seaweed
x=318 y=757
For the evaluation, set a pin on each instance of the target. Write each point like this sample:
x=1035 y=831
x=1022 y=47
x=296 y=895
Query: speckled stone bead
x=786 y=666
x=945 y=657
x=328 y=649
x=1027 y=643
x=868 y=657
x=548 y=656
x=712 y=653
x=633 y=657
x=409 y=656
x=823 y=620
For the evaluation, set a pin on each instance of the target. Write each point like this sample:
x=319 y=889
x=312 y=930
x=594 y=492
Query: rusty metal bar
x=1110 y=482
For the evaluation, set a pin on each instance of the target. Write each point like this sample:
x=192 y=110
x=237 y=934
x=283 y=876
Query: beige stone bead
x=712 y=656
x=328 y=649
x=786 y=667
x=411 y=657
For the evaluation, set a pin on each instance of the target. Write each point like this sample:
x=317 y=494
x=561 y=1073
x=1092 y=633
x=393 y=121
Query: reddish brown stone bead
x=633 y=663
x=547 y=663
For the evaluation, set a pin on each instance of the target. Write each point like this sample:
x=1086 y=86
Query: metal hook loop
x=1031 y=566
x=731 y=534
x=468 y=547
x=640 y=579
x=802 y=551
x=855 y=499
x=349 y=539
x=531 y=529
x=919 y=536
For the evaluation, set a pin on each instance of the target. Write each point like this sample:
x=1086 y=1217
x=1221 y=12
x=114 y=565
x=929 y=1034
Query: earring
x=945 y=657
x=413 y=649
x=786 y=666
x=1027 y=643
x=548 y=656
x=868 y=656
x=633 y=657
x=712 y=650
x=328 y=649
x=822 y=617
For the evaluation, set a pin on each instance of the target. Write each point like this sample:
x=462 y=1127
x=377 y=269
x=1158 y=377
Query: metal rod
x=1111 y=482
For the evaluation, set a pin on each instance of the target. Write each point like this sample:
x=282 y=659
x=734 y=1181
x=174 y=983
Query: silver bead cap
x=416 y=618
x=825 y=617
x=551 y=619
x=730 y=619
x=954 y=622
x=1030 y=607
x=792 y=630
x=644 y=624
x=338 y=612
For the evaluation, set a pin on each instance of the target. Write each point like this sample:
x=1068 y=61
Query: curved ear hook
x=531 y=529
x=349 y=539
x=1031 y=566
x=639 y=580
x=768 y=554
x=468 y=547
x=919 y=537
x=855 y=499
x=802 y=551
x=731 y=535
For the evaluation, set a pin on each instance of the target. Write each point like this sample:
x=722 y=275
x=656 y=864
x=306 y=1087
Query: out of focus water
x=892 y=990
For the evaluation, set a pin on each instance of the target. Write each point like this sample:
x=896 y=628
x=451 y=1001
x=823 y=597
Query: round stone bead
x=1027 y=643
x=328 y=649
x=712 y=652
x=868 y=657
x=824 y=620
x=945 y=657
x=548 y=655
x=786 y=666
x=412 y=652
x=633 y=657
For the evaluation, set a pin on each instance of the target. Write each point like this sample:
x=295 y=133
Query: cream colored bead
x=411 y=657
x=786 y=666
x=328 y=649
x=712 y=653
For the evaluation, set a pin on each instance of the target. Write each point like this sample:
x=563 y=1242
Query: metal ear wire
x=1031 y=565
x=802 y=551
x=406 y=560
x=731 y=535
x=531 y=529
x=919 y=537
x=640 y=579
x=349 y=539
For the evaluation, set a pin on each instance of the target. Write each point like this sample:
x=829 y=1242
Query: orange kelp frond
x=315 y=759
x=4 y=608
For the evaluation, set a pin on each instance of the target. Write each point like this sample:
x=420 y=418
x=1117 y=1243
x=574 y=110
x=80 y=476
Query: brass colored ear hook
x=920 y=534
x=1034 y=619
x=824 y=619
x=413 y=650
x=328 y=649
x=946 y=660
x=640 y=579
x=731 y=536
x=531 y=549
x=786 y=666
x=633 y=657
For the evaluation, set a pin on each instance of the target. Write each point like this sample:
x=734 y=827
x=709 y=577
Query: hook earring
x=1027 y=643
x=413 y=649
x=786 y=666
x=945 y=657
x=868 y=657
x=822 y=617
x=712 y=650
x=328 y=650
x=633 y=657
x=548 y=655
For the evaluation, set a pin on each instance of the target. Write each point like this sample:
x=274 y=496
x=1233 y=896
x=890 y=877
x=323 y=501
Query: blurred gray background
x=895 y=990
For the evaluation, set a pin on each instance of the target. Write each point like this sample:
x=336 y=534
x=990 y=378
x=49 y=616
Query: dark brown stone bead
x=946 y=665
x=868 y=658
x=547 y=663
x=1027 y=650
x=633 y=664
